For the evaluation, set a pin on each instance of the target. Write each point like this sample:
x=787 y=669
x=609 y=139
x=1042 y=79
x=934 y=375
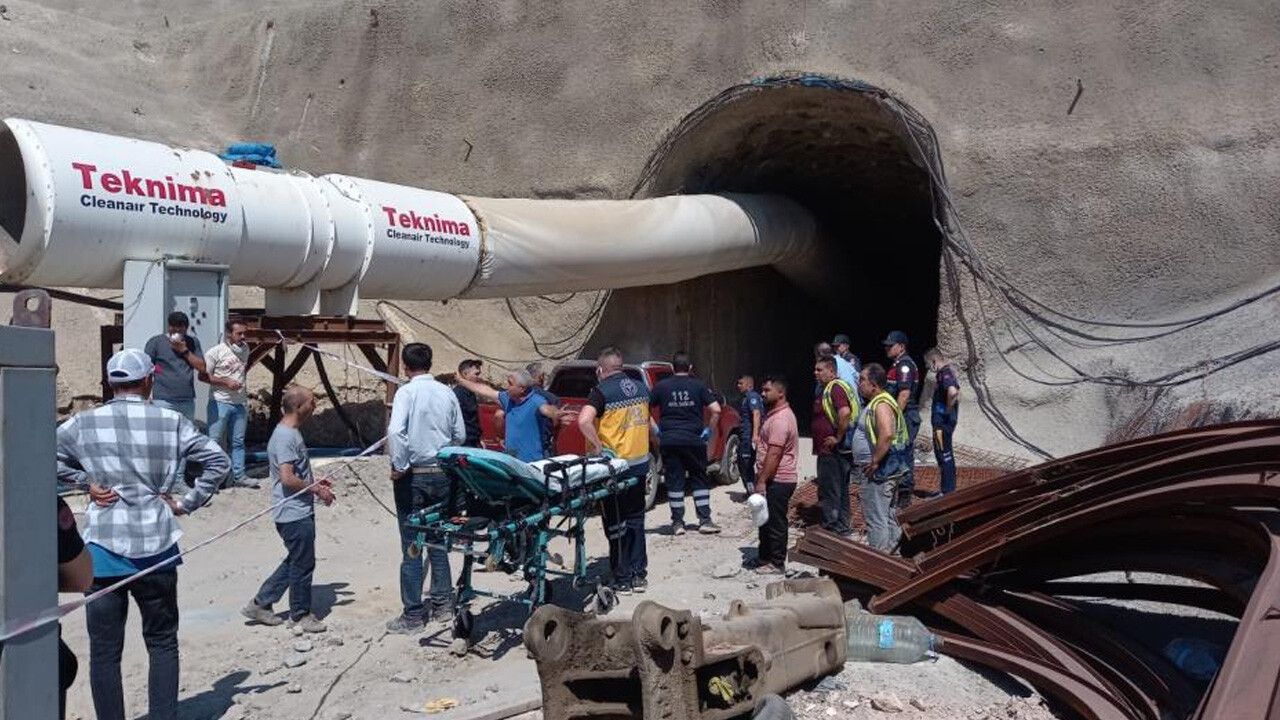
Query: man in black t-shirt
x=75 y=574
x=178 y=357
x=681 y=400
x=469 y=370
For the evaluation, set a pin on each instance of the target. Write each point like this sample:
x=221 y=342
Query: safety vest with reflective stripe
x=900 y=431
x=829 y=405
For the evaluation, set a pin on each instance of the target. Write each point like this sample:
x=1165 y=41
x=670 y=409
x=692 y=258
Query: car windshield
x=573 y=381
x=577 y=382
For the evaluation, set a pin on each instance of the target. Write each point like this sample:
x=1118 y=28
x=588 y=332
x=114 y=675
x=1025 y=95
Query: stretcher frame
x=509 y=523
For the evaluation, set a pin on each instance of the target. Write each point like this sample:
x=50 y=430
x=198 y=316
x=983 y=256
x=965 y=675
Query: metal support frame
x=370 y=337
x=28 y=539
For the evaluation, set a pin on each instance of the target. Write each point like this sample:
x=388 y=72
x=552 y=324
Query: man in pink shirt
x=775 y=474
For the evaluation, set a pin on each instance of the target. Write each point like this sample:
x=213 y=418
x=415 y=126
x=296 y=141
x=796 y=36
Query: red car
x=573 y=380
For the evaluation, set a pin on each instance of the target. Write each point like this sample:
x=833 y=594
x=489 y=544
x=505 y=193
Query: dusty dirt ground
x=232 y=670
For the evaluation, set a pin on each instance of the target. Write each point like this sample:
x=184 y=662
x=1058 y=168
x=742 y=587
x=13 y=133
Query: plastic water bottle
x=1198 y=658
x=888 y=638
x=759 y=508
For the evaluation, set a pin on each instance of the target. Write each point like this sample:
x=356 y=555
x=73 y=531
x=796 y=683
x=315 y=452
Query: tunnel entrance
x=860 y=161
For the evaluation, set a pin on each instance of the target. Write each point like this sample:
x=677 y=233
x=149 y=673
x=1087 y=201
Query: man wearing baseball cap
x=904 y=386
x=847 y=364
x=127 y=453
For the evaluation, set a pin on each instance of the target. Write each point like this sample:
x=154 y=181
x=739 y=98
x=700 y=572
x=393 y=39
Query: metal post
x=28 y=538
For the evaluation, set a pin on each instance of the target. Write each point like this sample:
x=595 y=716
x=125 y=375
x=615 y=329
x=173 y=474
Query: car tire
x=652 y=481
x=728 y=474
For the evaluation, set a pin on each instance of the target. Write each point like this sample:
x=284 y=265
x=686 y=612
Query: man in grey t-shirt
x=178 y=357
x=293 y=493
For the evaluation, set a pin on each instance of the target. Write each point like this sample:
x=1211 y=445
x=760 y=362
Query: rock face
x=1116 y=161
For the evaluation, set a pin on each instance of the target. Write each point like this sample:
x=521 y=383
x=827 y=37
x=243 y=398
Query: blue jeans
x=157 y=598
x=224 y=416
x=294 y=572
x=623 y=519
x=411 y=494
x=186 y=407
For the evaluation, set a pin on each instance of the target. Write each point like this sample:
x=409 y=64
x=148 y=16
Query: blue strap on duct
x=256 y=153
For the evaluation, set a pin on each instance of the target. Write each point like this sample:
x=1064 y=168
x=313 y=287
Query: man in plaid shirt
x=128 y=453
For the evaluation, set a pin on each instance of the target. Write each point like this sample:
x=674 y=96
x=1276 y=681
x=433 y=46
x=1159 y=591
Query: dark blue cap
x=897 y=336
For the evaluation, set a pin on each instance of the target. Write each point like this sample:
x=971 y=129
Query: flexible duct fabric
x=542 y=246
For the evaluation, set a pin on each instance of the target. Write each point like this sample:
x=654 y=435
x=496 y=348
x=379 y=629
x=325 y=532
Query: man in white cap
x=127 y=454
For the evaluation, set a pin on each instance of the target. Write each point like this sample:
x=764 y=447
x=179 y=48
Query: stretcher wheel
x=464 y=622
x=546 y=590
x=605 y=600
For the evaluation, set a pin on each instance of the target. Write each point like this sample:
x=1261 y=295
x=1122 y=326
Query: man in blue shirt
x=525 y=411
x=681 y=400
x=847 y=364
x=750 y=409
x=425 y=416
x=539 y=375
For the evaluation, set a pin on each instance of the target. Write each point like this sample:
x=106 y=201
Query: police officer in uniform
x=904 y=386
x=944 y=416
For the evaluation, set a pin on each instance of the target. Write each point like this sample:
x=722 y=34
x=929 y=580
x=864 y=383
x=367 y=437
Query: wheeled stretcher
x=504 y=512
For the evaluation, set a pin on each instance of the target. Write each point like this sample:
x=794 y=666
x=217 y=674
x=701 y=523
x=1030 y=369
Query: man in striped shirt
x=128 y=454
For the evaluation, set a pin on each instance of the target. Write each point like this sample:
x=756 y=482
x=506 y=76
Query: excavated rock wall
x=1115 y=160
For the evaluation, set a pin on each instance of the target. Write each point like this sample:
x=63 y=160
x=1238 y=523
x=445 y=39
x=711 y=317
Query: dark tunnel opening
x=841 y=149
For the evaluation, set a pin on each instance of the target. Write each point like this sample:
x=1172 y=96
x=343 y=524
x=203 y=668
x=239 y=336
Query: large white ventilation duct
x=75 y=205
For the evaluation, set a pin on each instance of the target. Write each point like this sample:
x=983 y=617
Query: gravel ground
x=232 y=670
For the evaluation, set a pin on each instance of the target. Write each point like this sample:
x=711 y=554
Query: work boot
x=309 y=623
x=259 y=614
x=403 y=625
x=709 y=528
x=903 y=499
x=244 y=481
x=441 y=613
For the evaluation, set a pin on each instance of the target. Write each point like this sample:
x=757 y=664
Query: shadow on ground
x=217 y=700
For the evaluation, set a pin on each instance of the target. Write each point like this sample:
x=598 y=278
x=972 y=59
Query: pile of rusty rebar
x=996 y=570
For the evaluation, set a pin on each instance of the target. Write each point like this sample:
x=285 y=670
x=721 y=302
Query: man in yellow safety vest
x=835 y=405
x=886 y=431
